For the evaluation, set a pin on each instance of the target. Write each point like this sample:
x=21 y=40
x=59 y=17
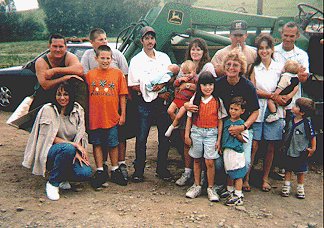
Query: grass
x=19 y=53
x=270 y=7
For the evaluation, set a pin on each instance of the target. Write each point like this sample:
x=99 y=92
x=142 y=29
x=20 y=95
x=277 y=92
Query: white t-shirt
x=118 y=61
x=267 y=80
x=142 y=69
x=208 y=67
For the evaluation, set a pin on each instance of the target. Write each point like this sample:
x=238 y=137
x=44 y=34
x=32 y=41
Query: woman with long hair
x=57 y=142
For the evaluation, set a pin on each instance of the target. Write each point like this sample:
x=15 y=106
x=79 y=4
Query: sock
x=100 y=168
x=122 y=162
x=230 y=188
x=238 y=193
x=287 y=183
x=188 y=171
x=113 y=168
x=169 y=131
x=300 y=185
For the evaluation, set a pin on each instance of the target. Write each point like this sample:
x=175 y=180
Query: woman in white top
x=57 y=142
x=265 y=76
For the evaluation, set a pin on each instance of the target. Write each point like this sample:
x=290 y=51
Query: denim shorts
x=203 y=142
x=268 y=131
x=296 y=164
x=106 y=137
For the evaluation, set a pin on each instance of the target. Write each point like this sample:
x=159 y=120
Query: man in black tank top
x=55 y=67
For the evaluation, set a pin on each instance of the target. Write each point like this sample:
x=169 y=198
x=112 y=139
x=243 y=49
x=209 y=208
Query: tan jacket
x=44 y=132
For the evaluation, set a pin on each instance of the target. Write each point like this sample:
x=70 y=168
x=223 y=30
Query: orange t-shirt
x=208 y=114
x=105 y=87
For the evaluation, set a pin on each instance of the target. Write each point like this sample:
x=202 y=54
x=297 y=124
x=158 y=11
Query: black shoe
x=136 y=178
x=221 y=190
x=105 y=168
x=98 y=179
x=164 y=175
x=117 y=177
x=123 y=169
x=277 y=176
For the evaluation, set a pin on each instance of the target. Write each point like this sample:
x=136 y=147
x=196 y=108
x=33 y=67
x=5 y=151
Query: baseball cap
x=238 y=27
x=146 y=30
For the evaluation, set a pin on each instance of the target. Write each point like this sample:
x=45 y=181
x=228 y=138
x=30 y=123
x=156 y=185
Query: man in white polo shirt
x=143 y=67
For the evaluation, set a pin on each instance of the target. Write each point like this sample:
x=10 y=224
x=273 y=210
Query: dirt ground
x=154 y=203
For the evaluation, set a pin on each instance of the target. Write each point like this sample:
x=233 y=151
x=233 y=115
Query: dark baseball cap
x=238 y=27
x=146 y=30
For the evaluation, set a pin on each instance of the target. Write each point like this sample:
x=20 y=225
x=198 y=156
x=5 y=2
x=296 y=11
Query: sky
x=26 y=4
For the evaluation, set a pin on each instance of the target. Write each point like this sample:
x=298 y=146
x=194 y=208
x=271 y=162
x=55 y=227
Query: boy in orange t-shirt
x=107 y=94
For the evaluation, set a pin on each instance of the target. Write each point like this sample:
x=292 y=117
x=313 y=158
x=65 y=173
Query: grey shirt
x=89 y=62
x=299 y=140
x=67 y=129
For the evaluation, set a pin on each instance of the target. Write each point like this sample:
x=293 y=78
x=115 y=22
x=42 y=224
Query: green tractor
x=176 y=24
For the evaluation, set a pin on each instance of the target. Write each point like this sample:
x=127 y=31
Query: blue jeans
x=60 y=165
x=149 y=113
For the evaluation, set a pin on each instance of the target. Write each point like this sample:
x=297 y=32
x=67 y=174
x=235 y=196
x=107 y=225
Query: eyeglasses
x=234 y=65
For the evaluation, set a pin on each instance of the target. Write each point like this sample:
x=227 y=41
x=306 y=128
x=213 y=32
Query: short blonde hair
x=292 y=66
x=237 y=56
x=188 y=65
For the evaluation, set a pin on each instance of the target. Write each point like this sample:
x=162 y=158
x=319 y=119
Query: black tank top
x=45 y=96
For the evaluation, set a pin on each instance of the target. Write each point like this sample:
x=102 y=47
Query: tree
x=16 y=26
x=77 y=18
x=7 y=6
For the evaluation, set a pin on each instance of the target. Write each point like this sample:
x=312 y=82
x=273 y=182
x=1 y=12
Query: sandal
x=266 y=186
x=285 y=191
x=246 y=187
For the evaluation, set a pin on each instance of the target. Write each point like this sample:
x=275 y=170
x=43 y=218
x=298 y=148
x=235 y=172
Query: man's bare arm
x=41 y=69
x=73 y=66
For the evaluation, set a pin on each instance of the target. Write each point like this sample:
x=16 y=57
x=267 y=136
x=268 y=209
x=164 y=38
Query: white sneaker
x=65 y=185
x=272 y=118
x=193 y=191
x=52 y=192
x=212 y=195
x=183 y=179
x=234 y=200
x=105 y=185
x=300 y=192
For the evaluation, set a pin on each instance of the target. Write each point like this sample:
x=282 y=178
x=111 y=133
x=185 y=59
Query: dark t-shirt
x=244 y=88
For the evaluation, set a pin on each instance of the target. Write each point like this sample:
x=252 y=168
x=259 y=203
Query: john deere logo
x=175 y=17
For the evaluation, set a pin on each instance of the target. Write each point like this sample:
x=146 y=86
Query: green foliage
x=77 y=18
x=15 y=26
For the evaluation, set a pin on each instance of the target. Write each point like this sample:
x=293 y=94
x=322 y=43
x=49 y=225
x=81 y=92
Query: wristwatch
x=245 y=127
